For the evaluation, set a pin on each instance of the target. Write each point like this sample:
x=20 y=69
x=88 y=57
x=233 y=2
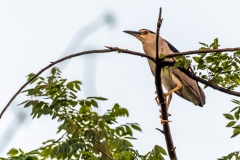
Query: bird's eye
x=145 y=32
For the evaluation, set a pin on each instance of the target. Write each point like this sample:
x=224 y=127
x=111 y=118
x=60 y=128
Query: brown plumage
x=176 y=81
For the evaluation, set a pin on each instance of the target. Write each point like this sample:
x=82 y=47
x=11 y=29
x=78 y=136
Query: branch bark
x=158 y=83
x=119 y=50
x=110 y=49
x=202 y=51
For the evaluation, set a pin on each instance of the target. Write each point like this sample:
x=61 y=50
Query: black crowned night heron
x=176 y=81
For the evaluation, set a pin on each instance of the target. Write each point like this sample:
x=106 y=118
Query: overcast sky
x=34 y=33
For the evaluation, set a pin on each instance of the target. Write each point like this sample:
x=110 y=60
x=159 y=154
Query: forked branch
x=158 y=84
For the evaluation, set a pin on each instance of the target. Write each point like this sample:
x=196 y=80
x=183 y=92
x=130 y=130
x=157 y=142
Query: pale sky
x=34 y=33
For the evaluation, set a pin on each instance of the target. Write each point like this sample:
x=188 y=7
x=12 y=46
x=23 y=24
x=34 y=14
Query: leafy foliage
x=231 y=156
x=222 y=68
x=182 y=62
x=233 y=123
x=86 y=135
x=233 y=118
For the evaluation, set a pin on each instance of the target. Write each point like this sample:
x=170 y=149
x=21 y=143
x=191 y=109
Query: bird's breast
x=167 y=80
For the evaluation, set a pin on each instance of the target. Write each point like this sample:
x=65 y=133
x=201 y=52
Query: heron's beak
x=133 y=33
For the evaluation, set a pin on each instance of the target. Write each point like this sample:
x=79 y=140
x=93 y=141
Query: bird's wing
x=192 y=84
x=172 y=47
x=196 y=89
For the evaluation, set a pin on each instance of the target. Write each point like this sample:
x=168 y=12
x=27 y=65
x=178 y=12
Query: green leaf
x=53 y=71
x=72 y=95
x=129 y=131
x=203 y=44
x=98 y=98
x=130 y=138
x=230 y=124
x=228 y=116
x=34 y=152
x=55 y=151
x=236 y=115
x=161 y=149
x=69 y=150
x=50 y=140
x=21 y=151
x=30 y=75
x=77 y=86
x=196 y=59
x=136 y=127
x=13 y=152
x=87 y=153
x=235 y=134
x=73 y=103
x=27 y=104
x=234 y=109
x=94 y=103
x=23 y=102
x=235 y=101
x=34 y=80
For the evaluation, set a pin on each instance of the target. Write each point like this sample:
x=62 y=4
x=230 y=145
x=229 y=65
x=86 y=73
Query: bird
x=173 y=81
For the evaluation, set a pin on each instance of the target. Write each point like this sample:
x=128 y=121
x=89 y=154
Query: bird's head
x=144 y=35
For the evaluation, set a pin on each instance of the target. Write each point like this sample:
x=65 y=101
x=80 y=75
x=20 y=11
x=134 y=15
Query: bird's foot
x=157 y=99
x=162 y=120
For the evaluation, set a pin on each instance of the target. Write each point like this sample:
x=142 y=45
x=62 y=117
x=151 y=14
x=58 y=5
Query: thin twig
x=158 y=84
x=174 y=149
x=119 y=50
x=170 y=55
x=159 y=23
x=160 y=130
x=202 y=51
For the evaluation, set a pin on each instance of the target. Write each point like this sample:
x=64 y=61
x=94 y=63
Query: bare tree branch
x=170 y=55
x=209 y=83
x=202 y=51
x=110 y=49
x=160 y=130
x=119 y=50
x=158 y=84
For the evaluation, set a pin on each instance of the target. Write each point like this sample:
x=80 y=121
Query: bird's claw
x=158 y=101
x=162 y=120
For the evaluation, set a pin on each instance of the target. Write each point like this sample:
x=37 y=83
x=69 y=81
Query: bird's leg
x=157 y=99
x=179 y=86
x=167 y=106
x=162 y=120
x=169 y=95
x=167 y=100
